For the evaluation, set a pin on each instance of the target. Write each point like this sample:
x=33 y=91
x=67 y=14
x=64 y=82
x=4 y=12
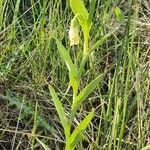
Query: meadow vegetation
x=93 y=95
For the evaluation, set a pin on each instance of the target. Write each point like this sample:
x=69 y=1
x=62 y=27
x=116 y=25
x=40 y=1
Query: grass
x=30 y=61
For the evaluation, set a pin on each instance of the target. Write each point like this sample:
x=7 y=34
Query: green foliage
x=80 y=12
x=102 y=40
x=71 y=67
x=61 y=112
x=119 y=14
x=41 y=121
x=2 y=13
x=66 y=57
x=43 y=144
x=85 y=92
x=82 y=15
x=116 y=41
x=75 y=136
x=78 y=7
x=92 y=10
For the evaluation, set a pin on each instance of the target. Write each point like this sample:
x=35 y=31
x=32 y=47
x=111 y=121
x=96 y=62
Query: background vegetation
x=29 y=61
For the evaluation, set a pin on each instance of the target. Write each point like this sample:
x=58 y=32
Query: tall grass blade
x=43 y=144
x=91 y=13
x=40 y=119
x=102 y=40
x=16 y=10
x=2 y=13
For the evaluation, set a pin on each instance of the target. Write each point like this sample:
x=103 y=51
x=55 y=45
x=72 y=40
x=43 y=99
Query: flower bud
x=73 y=32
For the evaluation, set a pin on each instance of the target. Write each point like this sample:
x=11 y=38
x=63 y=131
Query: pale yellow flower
x=73 y=32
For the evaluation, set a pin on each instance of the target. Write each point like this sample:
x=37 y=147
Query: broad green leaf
x=78 y=7
x=71 y=67
x=60 y=111
x=43 y=144
x=83 y=23
x=66 y=57
x=76 y=135
x=85 y=92
x=119 y=14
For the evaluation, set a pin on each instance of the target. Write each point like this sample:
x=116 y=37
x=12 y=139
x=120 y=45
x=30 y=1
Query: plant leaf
x=76 y=135
x=82 y=22
x=119 y=14
x=102 y=40
x=66 y=57
x=85 y=92
x=43 y=144
x=82 y=14
x=60 y=111
x=71 y=67
x=78 y=7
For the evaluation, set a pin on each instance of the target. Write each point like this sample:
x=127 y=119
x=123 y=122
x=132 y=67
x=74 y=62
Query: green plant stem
x=84 y=60
x=75 y=89
x=86 y=43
